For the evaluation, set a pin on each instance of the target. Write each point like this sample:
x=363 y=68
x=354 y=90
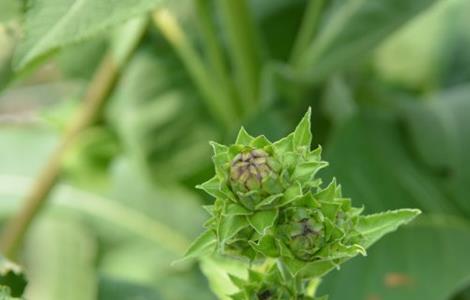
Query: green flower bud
x=303 y=231
x=254 y=176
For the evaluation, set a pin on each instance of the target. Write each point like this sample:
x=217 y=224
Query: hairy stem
x=307 y=29
x=243 y=47
x=217 y=100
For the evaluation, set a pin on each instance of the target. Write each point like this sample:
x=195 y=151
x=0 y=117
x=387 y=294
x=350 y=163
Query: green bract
x=270 y=207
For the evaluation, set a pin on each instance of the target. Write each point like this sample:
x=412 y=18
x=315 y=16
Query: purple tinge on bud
x=248 y=169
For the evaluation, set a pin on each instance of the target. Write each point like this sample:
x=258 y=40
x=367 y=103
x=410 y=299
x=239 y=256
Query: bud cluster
x=269 y=206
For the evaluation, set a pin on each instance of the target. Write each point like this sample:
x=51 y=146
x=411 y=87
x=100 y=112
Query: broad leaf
x=404 y=263
x=374 y=227
x=353 y=29
x=445 y=151
x=51 y=25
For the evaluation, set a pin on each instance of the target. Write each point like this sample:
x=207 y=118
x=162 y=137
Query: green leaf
x=303 y=134
x=51 y=25
x=375 y=226
x=9 y=10
x=401 y=265
x=445 y=115
x=354 y=29
x=243 y=137
x=218 y=148
x=146 y=104
x=285 y=144
x=260 y=142
x=12 y=276
x=212 y=187
x=205 y=244
x=60 y=255
x=372 y=161
x=234 y=209
x=267 y=246
x=5 y=293
x=263 y=220
x=230 y=226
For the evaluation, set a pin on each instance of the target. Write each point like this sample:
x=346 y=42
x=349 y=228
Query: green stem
x=215 y=53
x=99 y=88
x=90 y=109
x=217 y=101
x=243 y=47
x=307 y=29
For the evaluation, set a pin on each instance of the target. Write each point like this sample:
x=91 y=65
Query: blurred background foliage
x=388 y=82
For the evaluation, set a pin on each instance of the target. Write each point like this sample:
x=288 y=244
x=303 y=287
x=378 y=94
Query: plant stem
x=99 y=88
x=217 y=101
x=243 y=47
x=307 y=29
x=215 y=53
x=94 y=99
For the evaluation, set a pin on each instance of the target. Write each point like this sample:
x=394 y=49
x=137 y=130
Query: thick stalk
x=307 y=29
x=217 y=100
x=243 y=46
x=99 y=88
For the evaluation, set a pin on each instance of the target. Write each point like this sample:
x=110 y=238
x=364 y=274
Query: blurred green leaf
x=403 y=265
x=51 y=25
x=156 y=114
x=353 y=29
x=370 y=157
x=59 y=255
x=5 y=293
x=118 y=289
x=10 y=9
x=440 y=135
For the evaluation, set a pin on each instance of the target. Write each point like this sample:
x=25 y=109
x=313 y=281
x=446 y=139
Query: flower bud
x=252 y=173
x=303 y=232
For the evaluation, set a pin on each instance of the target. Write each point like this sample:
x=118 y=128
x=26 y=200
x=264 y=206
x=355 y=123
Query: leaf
x=285 y=144
x=243 y=137
x=9 y=10
x=145 y=104
x=5 y=293
x=118 y=289
x=205 y=244
x=51 y=25
x=373 y=227
x=212 y=187
x=303 y=133
x=402 y=265
x=12 y=276
x=267 y=246
x=445 y=115
x=371 y=159
x=218 y=271
x=263 y=220
x=353 y=29
x=60 y=259
x=230 y=226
